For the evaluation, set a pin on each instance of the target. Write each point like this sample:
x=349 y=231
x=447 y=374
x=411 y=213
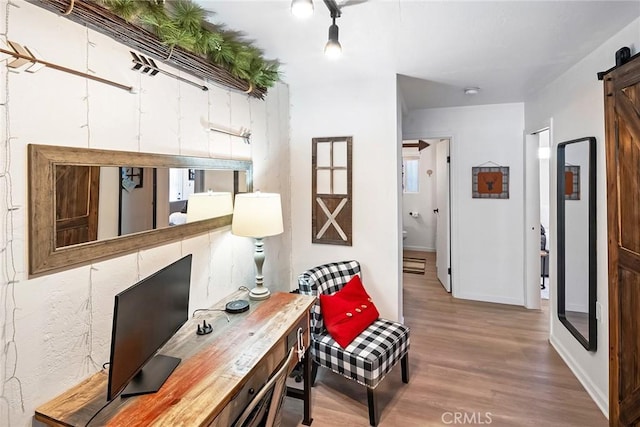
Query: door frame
x=453 y=219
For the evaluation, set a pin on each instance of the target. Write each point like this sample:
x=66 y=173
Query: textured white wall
x=366 y=110
x=55 y=329
x=421 y=231
x=575 y=102
x=486 y=234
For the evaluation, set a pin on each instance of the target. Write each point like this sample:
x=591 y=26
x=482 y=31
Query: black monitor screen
x=145 y=316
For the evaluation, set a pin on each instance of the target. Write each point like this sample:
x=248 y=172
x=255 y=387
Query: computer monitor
x=145 y=317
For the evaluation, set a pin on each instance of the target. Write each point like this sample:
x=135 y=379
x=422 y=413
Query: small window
x=410 y=174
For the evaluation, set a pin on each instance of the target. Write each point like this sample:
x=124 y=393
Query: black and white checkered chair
x=372 y=354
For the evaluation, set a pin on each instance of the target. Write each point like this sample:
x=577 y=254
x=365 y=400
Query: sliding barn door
x=622 y=118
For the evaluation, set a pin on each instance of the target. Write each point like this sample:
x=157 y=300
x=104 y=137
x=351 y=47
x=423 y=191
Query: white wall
x=575 y=101
x=56 y=328
x=421 y=231
x=108 y=203
x=137 y=206
x=486 y=234
x=366 y=110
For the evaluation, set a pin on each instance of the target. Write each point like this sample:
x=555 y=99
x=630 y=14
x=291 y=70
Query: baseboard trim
x=418 y=248
x=596 y=394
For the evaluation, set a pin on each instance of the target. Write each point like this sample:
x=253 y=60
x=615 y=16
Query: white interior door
x=443 y=230
x=532 y=222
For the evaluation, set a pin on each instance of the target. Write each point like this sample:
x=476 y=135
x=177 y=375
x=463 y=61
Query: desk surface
x=213 y=370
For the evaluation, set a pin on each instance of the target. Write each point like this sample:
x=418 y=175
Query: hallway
x=491 y=363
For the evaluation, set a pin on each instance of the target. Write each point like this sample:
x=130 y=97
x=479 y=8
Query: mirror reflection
x=91 y=204
x=576 y=239
x=95 y=203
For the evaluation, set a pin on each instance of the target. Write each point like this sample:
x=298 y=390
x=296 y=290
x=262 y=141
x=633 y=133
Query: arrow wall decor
x=148 y=66
x=243 y=133
x=420 y=145
x=26 y=59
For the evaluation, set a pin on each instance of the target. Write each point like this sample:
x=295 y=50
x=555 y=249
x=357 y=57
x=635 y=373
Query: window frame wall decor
x=479 y=192
x=134 y=174
x=331 y=213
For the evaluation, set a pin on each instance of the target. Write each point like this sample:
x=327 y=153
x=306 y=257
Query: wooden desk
x=216 y=379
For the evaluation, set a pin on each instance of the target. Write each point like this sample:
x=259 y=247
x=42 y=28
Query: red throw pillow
x=348 y=312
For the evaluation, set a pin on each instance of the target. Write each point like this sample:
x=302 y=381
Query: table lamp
x=257 y=215
x=208 y=205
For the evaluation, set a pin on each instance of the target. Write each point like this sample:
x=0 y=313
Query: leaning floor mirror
x=576 y=194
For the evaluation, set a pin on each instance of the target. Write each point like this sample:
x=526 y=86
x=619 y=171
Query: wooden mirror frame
x=588 y=342
x=45 y=258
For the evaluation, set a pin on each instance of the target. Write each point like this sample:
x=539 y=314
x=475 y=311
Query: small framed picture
x=490 y=182
x=572 y=182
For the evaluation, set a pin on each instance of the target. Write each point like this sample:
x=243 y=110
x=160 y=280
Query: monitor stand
x=151 y=376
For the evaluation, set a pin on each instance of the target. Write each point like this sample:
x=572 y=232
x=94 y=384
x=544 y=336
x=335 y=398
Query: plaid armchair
x=372 y=354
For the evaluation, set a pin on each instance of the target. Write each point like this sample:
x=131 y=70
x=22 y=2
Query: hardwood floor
x=490 y=363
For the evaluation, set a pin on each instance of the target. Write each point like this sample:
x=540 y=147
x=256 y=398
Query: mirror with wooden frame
x=577 y=279
x=88 y=204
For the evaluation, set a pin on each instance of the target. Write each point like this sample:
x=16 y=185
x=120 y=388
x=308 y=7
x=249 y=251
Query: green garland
x=182 y=23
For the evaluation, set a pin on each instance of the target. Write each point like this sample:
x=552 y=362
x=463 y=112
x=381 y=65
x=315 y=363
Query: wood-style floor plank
x=488 y=361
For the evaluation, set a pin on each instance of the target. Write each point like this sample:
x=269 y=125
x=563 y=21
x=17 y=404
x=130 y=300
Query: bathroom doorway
x=426 y=216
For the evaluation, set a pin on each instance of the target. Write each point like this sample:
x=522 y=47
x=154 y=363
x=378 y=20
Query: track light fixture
x=302 y=8
x=333 y=49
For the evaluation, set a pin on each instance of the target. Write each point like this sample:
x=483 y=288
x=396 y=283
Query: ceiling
x=509 y=49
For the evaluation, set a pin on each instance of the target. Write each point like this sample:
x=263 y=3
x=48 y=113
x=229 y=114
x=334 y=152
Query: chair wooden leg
x=404 y=364
x=372 y=399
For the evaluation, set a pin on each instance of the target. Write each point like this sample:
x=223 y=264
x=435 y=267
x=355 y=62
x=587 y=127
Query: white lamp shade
x=257 y=215
x=302 y=8
x=333 y=49
x=208 y=205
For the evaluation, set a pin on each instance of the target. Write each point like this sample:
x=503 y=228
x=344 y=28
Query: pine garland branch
x=150 y=27
x=182 y=23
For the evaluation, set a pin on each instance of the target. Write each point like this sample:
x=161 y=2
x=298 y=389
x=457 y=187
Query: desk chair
x=371 y=355
x=264 y=409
